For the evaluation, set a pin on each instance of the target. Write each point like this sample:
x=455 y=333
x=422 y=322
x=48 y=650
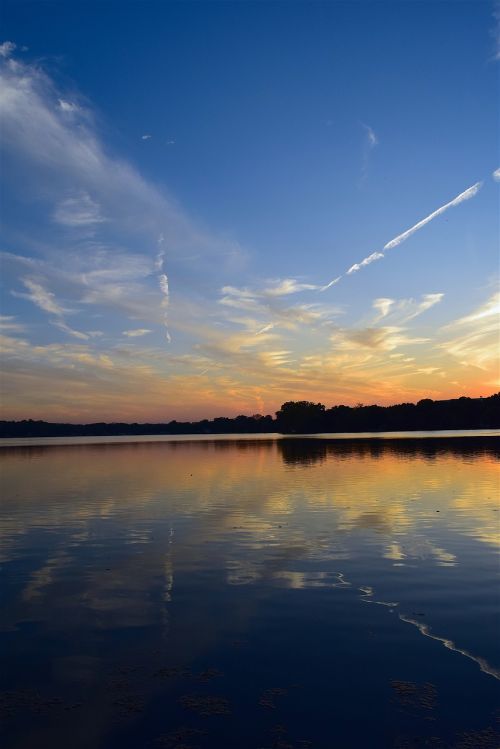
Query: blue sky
x=201 y=171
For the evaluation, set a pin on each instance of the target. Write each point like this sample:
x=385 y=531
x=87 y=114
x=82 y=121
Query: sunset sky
x=211 y=208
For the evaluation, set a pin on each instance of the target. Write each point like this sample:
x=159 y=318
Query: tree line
x=295 y=417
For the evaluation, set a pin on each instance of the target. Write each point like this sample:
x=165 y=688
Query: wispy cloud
x=495 y=32
x=7 y=48
x=385 y=338
x=78 y=210
x=67 y=106
x=473 y=340
x=383 y=306
x=46 y=301
x=163 y=282
x=370 y=141
x=496 y=175
x=9 y=323
x=160 y=257
x=146 y=136
x=287 y=286
x=136 y=333
x=40 y=296
x=371 y=138
x=110 y=211
x=401 y=311
x=70 y=331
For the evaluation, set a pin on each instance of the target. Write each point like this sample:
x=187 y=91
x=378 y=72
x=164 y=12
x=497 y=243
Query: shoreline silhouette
x=294 y=417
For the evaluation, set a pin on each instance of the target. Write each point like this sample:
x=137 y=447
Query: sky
x=208 y=209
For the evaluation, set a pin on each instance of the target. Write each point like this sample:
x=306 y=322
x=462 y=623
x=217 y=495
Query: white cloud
x=287 y=286
x=70 y=331
x=7 y=48
x=428 y=301
x=73 y=177
x=383 y=306
x=371 y=138
x=385 y=338
x=163 y=281
x=8 y=323
x=474 y=339
x=77 y=211
x=64 y=154
x=138 y=332
x=496 y=175
x=146 y=136
x=67 y=106
x=404 y=310
x=46 y=301
x=491 y=308
x=41 y=297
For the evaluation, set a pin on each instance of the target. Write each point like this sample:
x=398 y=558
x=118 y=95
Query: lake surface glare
x=259 y=593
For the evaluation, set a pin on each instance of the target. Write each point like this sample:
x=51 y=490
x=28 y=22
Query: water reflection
x=308 y=451
x=251 y=563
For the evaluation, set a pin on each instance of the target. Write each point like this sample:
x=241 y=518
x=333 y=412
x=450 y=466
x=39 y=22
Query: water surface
x=251 y=593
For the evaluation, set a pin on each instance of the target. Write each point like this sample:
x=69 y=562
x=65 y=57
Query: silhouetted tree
x=300 y=416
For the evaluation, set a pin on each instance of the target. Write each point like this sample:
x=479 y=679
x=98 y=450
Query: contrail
x=265 y=328
x=332 y=283
x=161 y=253
x=163 y=282
x=465 y=195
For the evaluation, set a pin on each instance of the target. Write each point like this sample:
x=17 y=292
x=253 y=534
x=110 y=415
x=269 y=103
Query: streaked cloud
x=79 y=210
x=474 y=339
x=136 y=333
x=70 y=331
x=41 y=297
x=287 y=286
x=385 y=338
x=404 y=310
x=8 y=323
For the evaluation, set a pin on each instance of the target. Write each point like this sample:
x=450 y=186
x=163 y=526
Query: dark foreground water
x=262 y=593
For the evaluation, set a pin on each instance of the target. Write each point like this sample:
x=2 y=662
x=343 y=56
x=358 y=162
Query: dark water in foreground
x=304 y=594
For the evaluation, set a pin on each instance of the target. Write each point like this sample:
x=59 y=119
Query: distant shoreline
x=294 y=417
x=458 y=436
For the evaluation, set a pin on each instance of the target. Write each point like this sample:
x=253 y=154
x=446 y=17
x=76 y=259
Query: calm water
x=261 y=593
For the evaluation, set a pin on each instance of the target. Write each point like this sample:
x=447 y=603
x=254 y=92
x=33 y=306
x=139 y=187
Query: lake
x=258 y=593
